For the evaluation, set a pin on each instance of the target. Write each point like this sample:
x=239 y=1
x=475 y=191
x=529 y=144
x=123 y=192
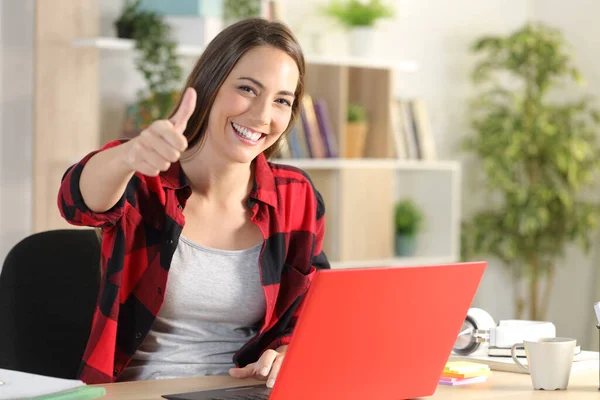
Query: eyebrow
x=260 y=85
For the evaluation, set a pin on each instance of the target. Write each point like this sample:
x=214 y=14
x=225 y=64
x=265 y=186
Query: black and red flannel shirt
x=141 y=232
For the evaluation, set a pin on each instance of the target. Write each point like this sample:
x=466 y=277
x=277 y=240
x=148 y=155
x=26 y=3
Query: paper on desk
x=21 y=385
x=584 y=361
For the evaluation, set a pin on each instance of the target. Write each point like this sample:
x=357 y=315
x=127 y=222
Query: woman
x=193 y=198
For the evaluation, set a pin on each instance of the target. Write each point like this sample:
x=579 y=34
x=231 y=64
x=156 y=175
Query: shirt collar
x=263 y=188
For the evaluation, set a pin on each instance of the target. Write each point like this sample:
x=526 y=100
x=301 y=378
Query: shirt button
x=159 y=290
x=180 y=207
x=169 y=241
x=138 y=335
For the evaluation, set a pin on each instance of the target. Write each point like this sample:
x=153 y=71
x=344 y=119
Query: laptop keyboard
x=254 y=396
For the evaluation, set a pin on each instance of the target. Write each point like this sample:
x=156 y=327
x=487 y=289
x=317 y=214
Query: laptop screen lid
x=377 y=333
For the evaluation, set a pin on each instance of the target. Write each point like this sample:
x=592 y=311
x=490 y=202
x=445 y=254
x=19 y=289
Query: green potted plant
x=539 y=154
x=157 y=62
x=236 y=10
x=408 y=220
x=125 y=23
x=359 y=18
x=356 y=131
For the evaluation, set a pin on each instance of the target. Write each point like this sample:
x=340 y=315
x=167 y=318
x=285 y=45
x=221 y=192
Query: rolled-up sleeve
x=71 y=205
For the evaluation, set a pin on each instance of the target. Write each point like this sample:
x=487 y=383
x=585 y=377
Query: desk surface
x=500 y=385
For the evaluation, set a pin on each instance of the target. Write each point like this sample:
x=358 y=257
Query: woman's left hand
x=266 y=368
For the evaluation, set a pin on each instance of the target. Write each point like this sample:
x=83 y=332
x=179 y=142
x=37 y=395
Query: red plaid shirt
x=141 y=232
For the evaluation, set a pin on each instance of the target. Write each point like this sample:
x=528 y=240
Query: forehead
x=273 y=67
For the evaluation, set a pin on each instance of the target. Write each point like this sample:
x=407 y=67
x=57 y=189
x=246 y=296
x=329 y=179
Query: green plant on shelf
x=156 y=61
x=408 y=217
x=539 y=156
x=408 y=220
x=356 y=113
x=235 y=10
x=353 y=13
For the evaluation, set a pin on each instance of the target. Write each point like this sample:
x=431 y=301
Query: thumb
x=185 y=110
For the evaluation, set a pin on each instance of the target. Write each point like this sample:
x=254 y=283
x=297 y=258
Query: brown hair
x=219 y=58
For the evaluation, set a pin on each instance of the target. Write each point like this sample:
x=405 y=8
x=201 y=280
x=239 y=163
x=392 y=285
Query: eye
x=284 y=102
x=247 y=89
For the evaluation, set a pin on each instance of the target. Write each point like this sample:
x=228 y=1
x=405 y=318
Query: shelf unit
x=117 y=44
x=360 y=193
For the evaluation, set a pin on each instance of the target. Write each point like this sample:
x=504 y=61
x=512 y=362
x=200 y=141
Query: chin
x=244 y=157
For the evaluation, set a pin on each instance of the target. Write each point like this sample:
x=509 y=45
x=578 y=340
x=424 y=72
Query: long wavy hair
x=219 y=58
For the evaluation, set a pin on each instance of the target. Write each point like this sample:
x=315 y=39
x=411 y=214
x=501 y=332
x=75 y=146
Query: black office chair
x=48 y=289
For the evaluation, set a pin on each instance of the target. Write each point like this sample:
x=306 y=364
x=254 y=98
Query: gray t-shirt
x=214 y=303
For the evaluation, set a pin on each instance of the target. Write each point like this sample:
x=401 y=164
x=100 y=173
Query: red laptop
x=370 y=333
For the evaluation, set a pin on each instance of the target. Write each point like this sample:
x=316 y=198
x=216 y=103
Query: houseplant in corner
x=356 y=131
x=408 y=220
x=359 y=17
x=156 y=61
x=539 y=155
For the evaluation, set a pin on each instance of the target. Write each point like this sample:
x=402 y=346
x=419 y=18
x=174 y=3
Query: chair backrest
x=48 y=290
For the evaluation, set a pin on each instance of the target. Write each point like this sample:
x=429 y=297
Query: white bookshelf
x=117 y=44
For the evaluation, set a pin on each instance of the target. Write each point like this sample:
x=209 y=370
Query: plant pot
x=406 y=244
x=361 y=41
x=356 y=134
x=124 y=30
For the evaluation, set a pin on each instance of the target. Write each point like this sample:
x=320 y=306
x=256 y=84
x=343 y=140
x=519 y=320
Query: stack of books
x=464 y=372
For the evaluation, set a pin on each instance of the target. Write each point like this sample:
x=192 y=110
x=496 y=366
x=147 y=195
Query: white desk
x=500 y=385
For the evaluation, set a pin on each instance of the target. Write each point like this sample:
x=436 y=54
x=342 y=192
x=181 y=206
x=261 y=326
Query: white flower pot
x=361 y=41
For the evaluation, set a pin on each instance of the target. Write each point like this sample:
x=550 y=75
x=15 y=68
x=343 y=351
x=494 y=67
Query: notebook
x=16 y=385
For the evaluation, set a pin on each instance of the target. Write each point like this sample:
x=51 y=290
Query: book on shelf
x=411 y=128
x=312 y=134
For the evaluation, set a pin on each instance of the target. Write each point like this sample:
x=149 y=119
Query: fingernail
x=271 y=383
x=264 y=371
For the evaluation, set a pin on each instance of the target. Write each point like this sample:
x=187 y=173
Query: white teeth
x=246 y=133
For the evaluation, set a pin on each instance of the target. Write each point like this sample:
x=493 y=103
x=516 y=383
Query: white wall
x=16 y=126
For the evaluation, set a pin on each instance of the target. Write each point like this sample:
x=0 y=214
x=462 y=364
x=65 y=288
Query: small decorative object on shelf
x=359 y=18
x=408 y=220
x=156 y=62
x=356 y=131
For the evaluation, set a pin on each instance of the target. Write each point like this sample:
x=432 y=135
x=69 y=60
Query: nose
x=261 y=113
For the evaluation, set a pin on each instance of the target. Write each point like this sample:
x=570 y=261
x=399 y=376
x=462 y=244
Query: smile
x=247 y=133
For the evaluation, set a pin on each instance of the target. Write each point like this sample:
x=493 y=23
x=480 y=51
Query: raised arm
x=105 y=176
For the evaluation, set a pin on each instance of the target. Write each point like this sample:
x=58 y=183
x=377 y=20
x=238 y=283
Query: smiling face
x=253 y=106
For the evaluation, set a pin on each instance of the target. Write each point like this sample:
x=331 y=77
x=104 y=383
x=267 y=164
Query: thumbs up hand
x=162 y=143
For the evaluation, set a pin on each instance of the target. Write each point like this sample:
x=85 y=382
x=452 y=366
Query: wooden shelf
x=394 y=262
x=117 y=44
x=381 y=163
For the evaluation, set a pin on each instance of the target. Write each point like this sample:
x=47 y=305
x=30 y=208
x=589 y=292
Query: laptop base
x=252 y=392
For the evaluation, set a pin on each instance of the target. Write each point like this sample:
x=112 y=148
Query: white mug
x=549 y=361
